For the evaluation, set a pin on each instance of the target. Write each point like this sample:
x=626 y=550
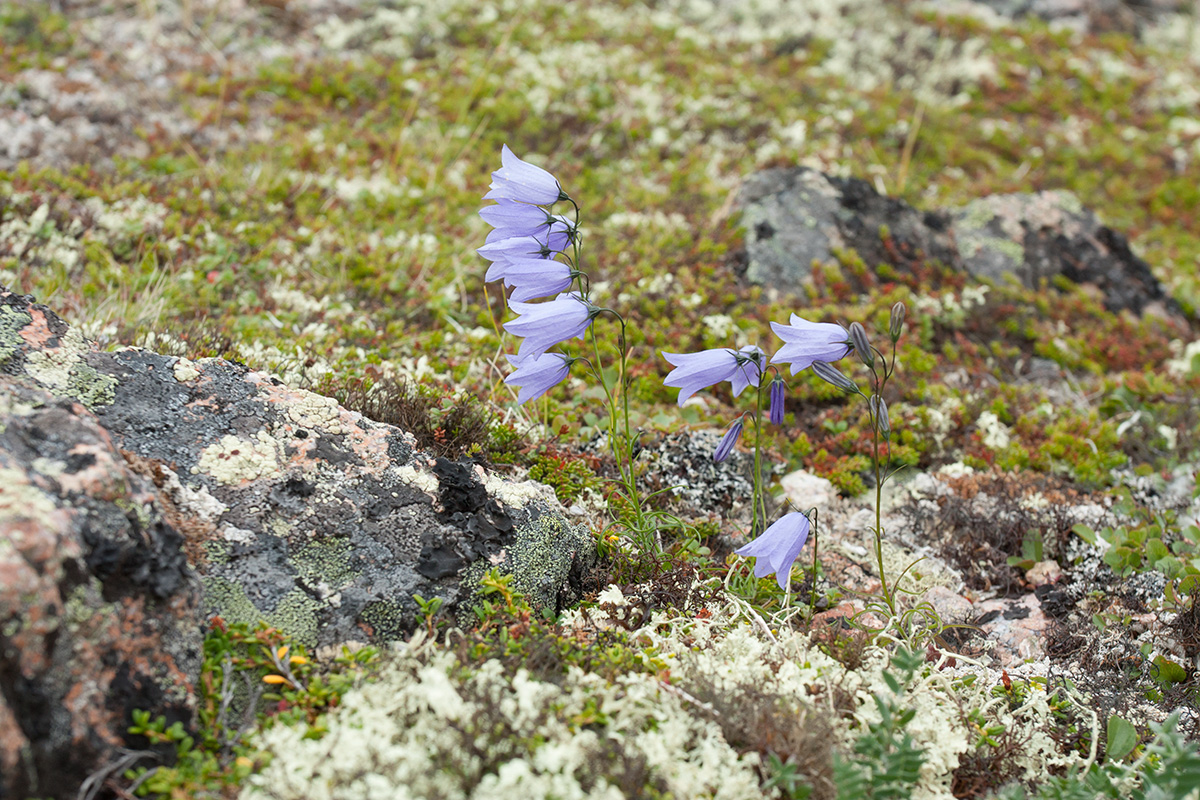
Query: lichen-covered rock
x=1036 y=237
x=140 y=493
x=295 y=510
x=99 y=610
x=796 y=216
x=1093 y=16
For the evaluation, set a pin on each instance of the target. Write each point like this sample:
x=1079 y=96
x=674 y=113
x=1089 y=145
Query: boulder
x=794 y=217
x=165 y=491
x=99 y=610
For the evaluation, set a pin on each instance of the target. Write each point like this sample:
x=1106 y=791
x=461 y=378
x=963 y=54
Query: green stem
x=760 y=504
x=812 y=595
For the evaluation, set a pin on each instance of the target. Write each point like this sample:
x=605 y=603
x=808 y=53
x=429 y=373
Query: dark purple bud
x=879 y=409
x=778 y=391
x=897 y=322
x=831 y=375
x=729 y=440
x=858 y=337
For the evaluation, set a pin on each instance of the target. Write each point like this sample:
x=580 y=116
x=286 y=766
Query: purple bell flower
x=696 y=371
x=524 y=247
x=778 y=547
x=511 y=215
x=729 y=440
x=778 y=392
x=544 y=325
x=523 y=182
x=554 y=232
x=538 y=374
x=806 y=342
x=537 y=277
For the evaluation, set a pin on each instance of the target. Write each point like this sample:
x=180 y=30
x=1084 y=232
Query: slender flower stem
x=759 y=523
x=812 y=594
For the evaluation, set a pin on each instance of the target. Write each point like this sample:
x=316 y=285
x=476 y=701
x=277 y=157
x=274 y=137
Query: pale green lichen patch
x=424 y=480
x=233 y=461
x=295 y=614
x=11 y=407
x=11 y=323
x=315 y=412
x=64 y=372
x=519 y=495
x=50 y=467
x=84 y=604
x=185 y=370
x=325 y=564
x=20 y=501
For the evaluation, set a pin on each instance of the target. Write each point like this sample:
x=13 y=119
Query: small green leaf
x=1168 y=671
x=1122 y=738
x=1085 y=532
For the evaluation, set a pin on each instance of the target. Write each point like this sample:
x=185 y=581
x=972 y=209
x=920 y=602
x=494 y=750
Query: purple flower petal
x=806 y=342
x=538 y=375
x=778 y=547
x=544 y=325
x=521 y=181
x=537 y=277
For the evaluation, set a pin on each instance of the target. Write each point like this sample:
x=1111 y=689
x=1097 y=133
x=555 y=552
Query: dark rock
x=1094 y=16
x=99 y=610
x=794 y=217
x=1037 y=237
x=223 y=492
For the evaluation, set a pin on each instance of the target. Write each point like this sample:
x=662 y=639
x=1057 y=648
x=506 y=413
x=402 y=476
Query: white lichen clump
x=434 y=727
x=233 y=461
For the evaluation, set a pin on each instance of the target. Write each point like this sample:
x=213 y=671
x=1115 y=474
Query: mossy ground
x=338 y=249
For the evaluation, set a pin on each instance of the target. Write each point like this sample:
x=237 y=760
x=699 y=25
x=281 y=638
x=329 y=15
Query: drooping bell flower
x=539 y=374
x=696 y=371
x=778 y=547
x=523 y=182
x=535 y=278
x=543 y=325
x=806 y=342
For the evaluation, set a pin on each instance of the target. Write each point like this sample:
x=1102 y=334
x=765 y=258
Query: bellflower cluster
x=805 y=345
x=528 y=250
x=535 y=252
x=523 y=247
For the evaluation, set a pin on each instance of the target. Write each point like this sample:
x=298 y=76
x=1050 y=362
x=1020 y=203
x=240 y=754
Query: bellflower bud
x=831 y=375
x=729 y=440
x=778 y=391
x=858 y=336
x=896 y=323
x=879 y=409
